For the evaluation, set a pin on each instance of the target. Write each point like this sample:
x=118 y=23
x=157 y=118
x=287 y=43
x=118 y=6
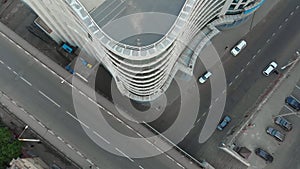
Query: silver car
x=270 y=68
x=275 y=133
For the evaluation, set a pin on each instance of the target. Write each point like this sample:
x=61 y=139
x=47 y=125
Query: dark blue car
x=224 y=123
x=293 y=103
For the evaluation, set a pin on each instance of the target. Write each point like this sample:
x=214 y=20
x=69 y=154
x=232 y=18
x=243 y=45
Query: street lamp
x=24 y=139
x=289 y=64
x=26 y=127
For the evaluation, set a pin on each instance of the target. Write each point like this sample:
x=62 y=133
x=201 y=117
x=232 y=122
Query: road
x=276 y=38
x=41 y=93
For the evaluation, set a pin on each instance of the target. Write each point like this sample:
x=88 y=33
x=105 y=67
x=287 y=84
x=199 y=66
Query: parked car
x=283 y=123
x=224 y=123
x=204 y=77
x=275 y=133
x=264 y=155
x=237 y=49
x=293 y=103
x=270 y=68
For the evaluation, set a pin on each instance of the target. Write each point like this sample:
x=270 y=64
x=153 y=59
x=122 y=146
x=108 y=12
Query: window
x=236 y=1
x=231 y=7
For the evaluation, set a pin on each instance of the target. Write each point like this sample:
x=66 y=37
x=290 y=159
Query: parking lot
x=255 y=136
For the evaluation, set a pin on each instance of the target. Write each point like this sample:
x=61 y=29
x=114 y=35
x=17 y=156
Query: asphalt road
x=40 y=92
x=275 y=39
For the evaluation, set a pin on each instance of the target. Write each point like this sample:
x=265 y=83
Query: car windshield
x=237 y=49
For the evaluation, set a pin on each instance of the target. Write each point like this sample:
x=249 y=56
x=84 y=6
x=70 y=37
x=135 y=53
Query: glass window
x=241 y=6
x=236 y=1
x=231 y=7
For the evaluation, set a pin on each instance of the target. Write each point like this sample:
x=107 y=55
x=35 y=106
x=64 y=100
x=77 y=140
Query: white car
x=237 y=49
x=204 y=77
x=270 y=68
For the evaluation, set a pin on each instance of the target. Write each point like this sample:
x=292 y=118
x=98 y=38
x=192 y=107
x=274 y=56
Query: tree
x=9 y=147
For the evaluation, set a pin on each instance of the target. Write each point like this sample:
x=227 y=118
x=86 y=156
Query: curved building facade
x=141 y=72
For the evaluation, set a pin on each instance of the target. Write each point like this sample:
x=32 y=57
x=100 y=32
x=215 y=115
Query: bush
x=9 y=147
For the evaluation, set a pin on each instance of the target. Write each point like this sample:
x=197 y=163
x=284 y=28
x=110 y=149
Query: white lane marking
x=297 y=7
x=242 y=70
x=15 y=73
x=254 y=57
x=26 y=81
x=286 y=19
x=248 y=63
x=273 y=34
x=79 y=153
x=49 y=98
x=41 y=124
x=97 y=134
x=124 y=154
x=59 y=138
x=70 y=146
x=237 y=76
x=31 y=117
x=297 y=87
x=180 y=165
x=82 y=93
x=9 y=68
x=27 y=53
x=259 y=50
x=88 y=160
x=224 y=91
x=51 y=132
x=141 y=167
x=1 y=62
x=216 y=99
x=77 y=120
x=268 y=40
x=280 y=26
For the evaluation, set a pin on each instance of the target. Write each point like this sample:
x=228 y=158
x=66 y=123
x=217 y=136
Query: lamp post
x=289 y=64
x=26 y=127
x=25 y=139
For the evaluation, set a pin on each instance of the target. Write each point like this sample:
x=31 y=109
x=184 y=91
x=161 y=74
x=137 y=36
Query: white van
x=237 y=49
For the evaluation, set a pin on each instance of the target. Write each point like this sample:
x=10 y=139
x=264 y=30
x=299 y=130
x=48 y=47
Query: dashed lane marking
x=97 y=134
x=1 y=62
x=273 y=34
x=141 y=167
x=248 y=64
x=297 y=87
x=26 y=81
x=89 y=161
x=49 y=98
x=259 y=50
x=51 y=132
x=77 y=120
x=253 y=57
x=9 y=68
x=41 y=124
x=124 y=154
x=237 y=76
x=242 y=70
x=286 y=19
x=79 y=153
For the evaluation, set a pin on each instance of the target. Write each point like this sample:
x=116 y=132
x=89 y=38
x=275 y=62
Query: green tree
x=9 y=147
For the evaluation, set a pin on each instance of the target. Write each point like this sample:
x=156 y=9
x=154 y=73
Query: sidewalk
x=273 y=105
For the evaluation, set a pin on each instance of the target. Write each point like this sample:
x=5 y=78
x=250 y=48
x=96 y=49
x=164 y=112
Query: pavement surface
x=255 y=137
x=239 y=74
x=44 y=150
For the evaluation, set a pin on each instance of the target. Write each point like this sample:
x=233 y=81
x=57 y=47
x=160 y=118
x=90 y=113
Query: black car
x=264 y=155
x=283 y=123
x=293 y=103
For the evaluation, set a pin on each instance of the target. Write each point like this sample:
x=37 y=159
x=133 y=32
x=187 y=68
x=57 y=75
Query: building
x=142 y=73
x=28 y=163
